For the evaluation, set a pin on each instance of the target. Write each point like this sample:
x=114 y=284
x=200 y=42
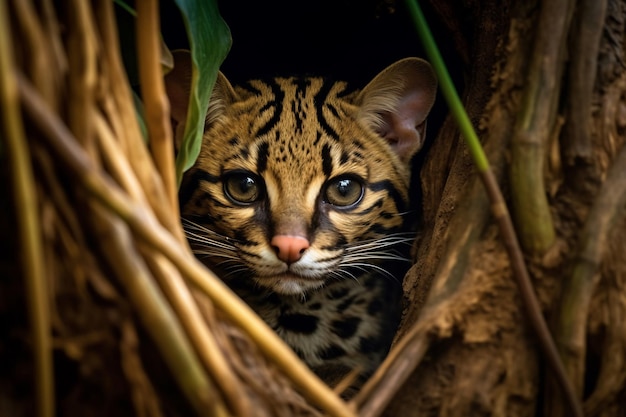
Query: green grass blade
x=126 y=7
x=447 y=87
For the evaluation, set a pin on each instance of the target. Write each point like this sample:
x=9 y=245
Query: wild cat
x=299 y=201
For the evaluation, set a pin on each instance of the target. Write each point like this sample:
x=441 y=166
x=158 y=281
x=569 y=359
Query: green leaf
x=210 y=40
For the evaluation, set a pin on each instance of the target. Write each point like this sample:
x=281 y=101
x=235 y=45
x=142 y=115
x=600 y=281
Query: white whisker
x=371 y=255
x=342 y=274
x=380 y=243
x=208 y=244
x=366 y=267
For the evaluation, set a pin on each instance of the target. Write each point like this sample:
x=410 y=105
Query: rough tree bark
x=482 y=356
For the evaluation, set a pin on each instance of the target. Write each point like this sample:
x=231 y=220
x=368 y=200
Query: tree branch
x=606 y=212
x=28 y=224
x=586 y=35
x=530 y=206
x=156 y=103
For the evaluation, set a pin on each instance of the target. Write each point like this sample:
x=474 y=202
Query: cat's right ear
x=396 y=103
x=178 y=88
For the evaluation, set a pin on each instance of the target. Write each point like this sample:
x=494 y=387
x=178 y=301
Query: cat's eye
x=344 y=191
x=243 y=187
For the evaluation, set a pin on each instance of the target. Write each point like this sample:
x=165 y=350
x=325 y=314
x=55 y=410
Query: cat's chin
x=289 y=284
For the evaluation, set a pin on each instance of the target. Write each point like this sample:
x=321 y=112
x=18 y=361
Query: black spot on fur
x=263 y=154
x=319 y=100
x=298 y=114
x=317 y=138
x=331 y=352
x=341 y=240
x=301 y=85
x=279 y=95
x=346 y=328
x=370 y=282
x=391 y=190
x=267 y=106
x=344 y=157
x=333 y=110
x=371 y=344
x=375 y=306
x=345 y=304
x=273 y=298
x=379 y=229
x=378 y=204
x=250 y=88
x=192 y=183
x=240 y=236
x=327 y=160
x=298 y=323
x=338 y=293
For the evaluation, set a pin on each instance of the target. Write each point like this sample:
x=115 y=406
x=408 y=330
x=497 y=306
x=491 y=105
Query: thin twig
x=612 y=375
x=26 y=210
x=408 y=353
x=605 y=213
x=114 y=161
x=380 y=389
x=156 y=103
x=529 y=298
x=82 y=50
x=534 y=125
x=52 y=29
x=155 y=312
x=126 y=126
x=169 y=278
x=183 y=303
x=38 y=66
x=145 y=226
x=585 y=39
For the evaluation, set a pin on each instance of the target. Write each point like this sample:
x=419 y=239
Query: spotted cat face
x=300 y=180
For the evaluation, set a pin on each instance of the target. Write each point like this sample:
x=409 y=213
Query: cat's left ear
x=178 y=88
x=396 y=103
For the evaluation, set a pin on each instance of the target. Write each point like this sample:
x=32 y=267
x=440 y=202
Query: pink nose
x=289 y=248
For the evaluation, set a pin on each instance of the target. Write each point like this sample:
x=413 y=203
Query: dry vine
x=117 y=217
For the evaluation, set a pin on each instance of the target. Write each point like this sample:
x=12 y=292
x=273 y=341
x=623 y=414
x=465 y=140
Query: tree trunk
x=483 y=356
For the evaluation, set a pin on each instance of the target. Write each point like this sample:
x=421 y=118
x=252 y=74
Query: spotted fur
x=323 y=166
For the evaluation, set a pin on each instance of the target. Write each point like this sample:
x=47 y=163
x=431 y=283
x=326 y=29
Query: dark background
x=350 y=40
